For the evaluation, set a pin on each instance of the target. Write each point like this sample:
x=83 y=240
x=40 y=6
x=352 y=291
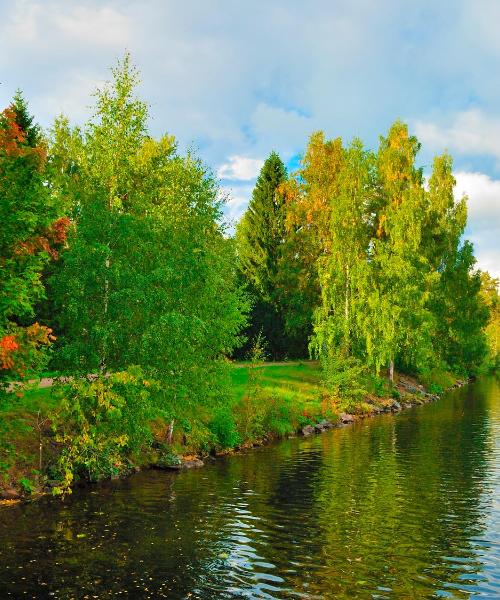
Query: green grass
x=303 y=379
x=267 y=400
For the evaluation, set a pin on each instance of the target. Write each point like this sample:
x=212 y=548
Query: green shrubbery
x=436 y=379
x=100 y=424
x=223 y=426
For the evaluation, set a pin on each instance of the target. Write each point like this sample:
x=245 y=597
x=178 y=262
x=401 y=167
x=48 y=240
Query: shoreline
x=412 y=394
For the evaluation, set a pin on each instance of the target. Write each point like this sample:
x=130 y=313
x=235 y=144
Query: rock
x=322 y=425
x=9 y=493
x=346 y=418
x=395 y=407
x=192 y=463
x=307 y=430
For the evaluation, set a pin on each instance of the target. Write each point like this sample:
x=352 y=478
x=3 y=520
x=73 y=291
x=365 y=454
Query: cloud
x=237 y=198
x=238 y=82
x=470 y=132
x=240 y=168
x=483 y=227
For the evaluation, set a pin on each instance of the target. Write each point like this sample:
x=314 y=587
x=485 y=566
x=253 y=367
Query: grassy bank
x=267 y=401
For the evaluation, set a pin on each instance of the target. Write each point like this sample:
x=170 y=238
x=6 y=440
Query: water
x=399 y=506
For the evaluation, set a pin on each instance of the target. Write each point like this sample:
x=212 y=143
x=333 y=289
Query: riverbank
x=268 y=402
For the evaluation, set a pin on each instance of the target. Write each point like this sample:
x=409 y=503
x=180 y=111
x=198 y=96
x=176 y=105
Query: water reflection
x=398 y=507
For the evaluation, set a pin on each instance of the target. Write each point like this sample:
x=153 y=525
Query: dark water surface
x=402 y=506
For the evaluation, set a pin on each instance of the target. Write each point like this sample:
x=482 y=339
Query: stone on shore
x=308 y=430
x=192 y=463
x=9 y=493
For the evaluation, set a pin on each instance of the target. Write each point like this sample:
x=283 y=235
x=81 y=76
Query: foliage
x=436 y=379
x=100 y=423
x=395 y=279
x=32 y=233
x=260 y=237
x=224 y=428
x=489 y=294
x=149 y=276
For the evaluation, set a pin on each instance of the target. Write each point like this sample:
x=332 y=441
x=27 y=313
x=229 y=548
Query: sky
x=237 y=79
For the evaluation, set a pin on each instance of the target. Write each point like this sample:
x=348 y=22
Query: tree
x=308 y=203
x=489 y=293
x=396 y=323
x=459 y=313
x=344 y=268
x=31 y=130
x=148 y=278
x=260 y=237
x=31 y=234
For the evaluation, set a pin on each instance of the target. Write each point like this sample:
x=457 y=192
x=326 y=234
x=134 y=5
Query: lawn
x=300 y=379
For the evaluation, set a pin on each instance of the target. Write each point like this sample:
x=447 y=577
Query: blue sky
x=237 y=79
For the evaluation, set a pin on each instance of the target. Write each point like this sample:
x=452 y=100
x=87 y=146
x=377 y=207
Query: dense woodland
x=117 y=270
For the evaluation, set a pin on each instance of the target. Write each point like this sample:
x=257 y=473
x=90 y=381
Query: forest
x=165 y=331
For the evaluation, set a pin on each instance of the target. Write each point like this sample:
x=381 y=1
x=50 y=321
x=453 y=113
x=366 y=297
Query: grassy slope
x=300 y=379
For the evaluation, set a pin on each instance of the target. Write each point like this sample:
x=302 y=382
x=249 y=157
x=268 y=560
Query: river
x=403 y=506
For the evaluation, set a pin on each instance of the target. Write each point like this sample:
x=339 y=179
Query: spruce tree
x=260 y=236
x=261 y=230
x=25 y=121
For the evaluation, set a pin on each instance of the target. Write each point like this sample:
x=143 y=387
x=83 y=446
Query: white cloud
x=237 y=198
x=102 y=26
x=45 y=23
x=483 y=227
x=470 y=132
x=240 y=168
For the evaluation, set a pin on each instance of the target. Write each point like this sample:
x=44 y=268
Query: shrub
x=436 y=380
x=223 y=426
x=100 y=423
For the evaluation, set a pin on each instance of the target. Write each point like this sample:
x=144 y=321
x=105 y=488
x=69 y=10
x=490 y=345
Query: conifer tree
x=261 y=231
x=26 y=121
x=260 y=237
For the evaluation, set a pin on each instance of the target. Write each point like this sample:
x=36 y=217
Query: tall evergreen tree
x=261 y=231
x=260 y=237
x=25 y=120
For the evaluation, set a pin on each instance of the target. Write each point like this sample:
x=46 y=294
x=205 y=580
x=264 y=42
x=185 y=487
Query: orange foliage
x=13 y=138
x=11 y=135
x=16 y=351
x=54 y=235
x=8 y=345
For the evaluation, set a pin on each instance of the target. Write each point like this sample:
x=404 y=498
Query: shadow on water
x=393 y=507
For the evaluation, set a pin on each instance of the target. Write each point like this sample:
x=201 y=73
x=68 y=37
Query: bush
x=377 y=385
x=99 y=424
x=344 y=378
x=436 y=380
x=223 y=426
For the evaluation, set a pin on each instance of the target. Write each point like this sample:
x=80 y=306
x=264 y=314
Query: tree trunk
x=170 y=432
x=391 y=371
x=346 y=312
x=106 y=303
